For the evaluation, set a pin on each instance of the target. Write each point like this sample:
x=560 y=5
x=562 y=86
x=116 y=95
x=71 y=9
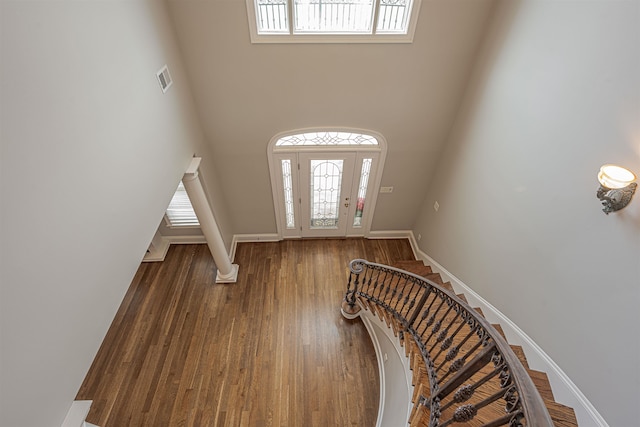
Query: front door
x=324 y=193
x=325 y=197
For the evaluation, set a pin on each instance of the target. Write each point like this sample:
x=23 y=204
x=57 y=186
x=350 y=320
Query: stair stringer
x=564 y=390
x=76 y=417
x=395 y=390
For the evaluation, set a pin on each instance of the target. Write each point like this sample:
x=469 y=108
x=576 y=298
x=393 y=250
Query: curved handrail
x=466 y=359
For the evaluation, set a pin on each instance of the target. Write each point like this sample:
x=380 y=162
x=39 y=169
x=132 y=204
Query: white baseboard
x=275 y=237
x=159 y=252
x=389 y=234
x=238 y=238
x=564 y=390
x=77 y=413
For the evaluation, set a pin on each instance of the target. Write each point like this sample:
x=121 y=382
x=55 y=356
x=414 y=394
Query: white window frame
x=330 y=37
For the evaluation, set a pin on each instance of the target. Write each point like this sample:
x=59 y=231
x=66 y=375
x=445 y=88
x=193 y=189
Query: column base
x=228 y=278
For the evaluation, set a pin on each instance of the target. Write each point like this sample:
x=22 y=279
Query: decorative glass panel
x=332 y=16
x=326 y=178
x=272 y=16
x=327 y=138
x=362 y=191
x=288 y=194
x=393 y=16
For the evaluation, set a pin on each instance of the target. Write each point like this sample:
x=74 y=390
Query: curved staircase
x=485 y=405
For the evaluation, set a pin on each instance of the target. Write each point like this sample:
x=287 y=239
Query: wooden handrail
x=473 y=373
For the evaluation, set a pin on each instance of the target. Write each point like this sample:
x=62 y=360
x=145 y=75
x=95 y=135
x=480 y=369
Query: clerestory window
x=327 y=21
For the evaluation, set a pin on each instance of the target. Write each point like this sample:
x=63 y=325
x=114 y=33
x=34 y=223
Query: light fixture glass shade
x=612 y=176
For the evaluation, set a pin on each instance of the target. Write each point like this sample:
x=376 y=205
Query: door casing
x=293 y=155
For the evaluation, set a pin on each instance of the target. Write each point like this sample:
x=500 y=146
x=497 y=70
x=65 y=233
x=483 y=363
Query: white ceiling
x=246 y=93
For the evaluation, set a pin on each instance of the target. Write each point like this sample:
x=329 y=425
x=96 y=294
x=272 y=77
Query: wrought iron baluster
x=448 y=341
x=402 y=289
x=459 y=363
x=436 y=329
x=450 y=359
x=426 y=311
x=432 y=318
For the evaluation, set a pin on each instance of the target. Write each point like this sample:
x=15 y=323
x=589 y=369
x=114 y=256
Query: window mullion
x=376 y=11
x=290 y=15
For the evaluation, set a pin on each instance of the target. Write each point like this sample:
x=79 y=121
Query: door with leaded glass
x=325 y=194
x=324 y=183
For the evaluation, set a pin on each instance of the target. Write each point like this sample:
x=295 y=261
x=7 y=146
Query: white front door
x=324 y=194
x=325 y=184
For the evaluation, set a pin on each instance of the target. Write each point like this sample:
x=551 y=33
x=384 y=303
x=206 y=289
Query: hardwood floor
x=269 y=350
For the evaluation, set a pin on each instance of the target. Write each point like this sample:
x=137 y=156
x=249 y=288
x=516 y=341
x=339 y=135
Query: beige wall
x=86 y=131
x=247 y=93
x=556 y=94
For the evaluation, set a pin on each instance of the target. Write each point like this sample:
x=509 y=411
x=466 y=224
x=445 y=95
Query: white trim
x=397 y=234
x=159 y=251
x=232 y=277
x=379 y=357
x=251 y=238
x=399 y=417
x=564 y=390
x=390 y=234
x=77 y=413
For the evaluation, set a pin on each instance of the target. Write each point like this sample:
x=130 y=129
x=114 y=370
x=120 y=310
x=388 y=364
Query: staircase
x=387 y=299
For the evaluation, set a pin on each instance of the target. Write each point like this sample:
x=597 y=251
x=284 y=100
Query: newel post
x=227 y=272
x=350 y=308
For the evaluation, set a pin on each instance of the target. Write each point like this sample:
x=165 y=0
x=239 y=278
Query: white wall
x=85 y=132
x=555 y=94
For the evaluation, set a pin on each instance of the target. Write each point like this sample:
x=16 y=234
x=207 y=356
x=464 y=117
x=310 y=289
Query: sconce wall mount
x=617 y=187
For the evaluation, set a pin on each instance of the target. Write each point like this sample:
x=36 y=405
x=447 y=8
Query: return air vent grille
x=164 y=78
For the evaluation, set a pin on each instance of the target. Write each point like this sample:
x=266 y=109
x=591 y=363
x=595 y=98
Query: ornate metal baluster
x=402 y=288
x=450 y=359
x=432 y=318
x=436 y=327
x=443 y=336
x=410 y=296
x=456 y=364
x=425 y=311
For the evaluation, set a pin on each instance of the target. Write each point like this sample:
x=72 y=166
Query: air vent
x=165 y=79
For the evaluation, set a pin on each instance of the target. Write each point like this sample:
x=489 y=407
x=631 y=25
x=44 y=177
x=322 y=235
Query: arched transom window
x=326 y=138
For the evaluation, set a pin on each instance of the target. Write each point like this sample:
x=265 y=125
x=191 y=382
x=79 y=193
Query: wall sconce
x=617 y=187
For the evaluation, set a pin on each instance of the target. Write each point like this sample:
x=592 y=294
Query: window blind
x=180 y=212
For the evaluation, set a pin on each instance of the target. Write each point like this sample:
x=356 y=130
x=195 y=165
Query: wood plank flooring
x=269 y=350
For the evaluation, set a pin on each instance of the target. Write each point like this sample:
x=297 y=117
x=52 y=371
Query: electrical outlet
x=386 y=189
x=436 y=206
x=419 y=237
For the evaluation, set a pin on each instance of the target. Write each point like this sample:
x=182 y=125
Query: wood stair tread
x=410 y=265
x=562 y=415
x=541 y=381
x=519 y=351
